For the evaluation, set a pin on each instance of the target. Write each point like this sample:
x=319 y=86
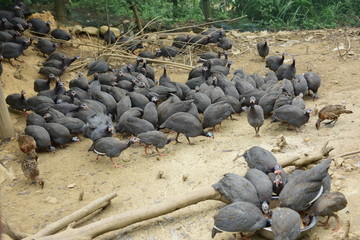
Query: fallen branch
x=307 y=158
x=64 y=222
x=11 y=232
x=122 y=220
x=347 y=50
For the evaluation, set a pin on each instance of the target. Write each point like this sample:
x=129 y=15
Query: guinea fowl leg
x=176 y=139
x=324 y=224
x=160 y=154
x=115 y=164
x=146 y=148
x=190 y=143
x=257 y=129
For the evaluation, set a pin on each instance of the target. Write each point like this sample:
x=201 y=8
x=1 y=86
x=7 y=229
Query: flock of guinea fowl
x=141 y=105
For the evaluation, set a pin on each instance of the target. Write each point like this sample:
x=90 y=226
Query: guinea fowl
x=17 y=101
x=302 y=190
x=29 y=166
x=111 y=147
x=46 y=46
x=154 y=138
x=135 y=126
x=181 y=41
x=238 y=217
x=59 y=89
x=292 y=115
x=5 y=24
x=97 y=132
x=186 y=124
x=42 y=84
x=274 y=62
x=327 y=205
x=267 y=102
x=74 y=125
x=147 y=54
x=59 y=64
x=332 y=113
x=98 y=66
x=13 y=50
x=41 y=136
x=39 y=26
x=255 y=116
x=236 y=188
x=59 y=134
x=262 y=184
x=27 y=144
x=45 y=71
x=215 y=113
x=263 y=49
x=278 y=181
x=175 y=107
x=109 y=36
x=225 y=43
x=167 y=52
x=220 y=69
x=300 y=85
x=298 y=101
x=287 y=71
x=314 y=82
x=60 y=34
x=261 y=159
x=285 y=224
x=35 y=119
x=62 y=57
x=39 y=104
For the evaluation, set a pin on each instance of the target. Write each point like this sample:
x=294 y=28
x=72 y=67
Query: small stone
x=72 y=185
x=276 y=150
x=307 y=139
x=339 y=161
x=351 y=52
x=185 y=177
x=51 y=200
x=92 y=31
x=116 y=31
x=160 y=175
x=23 y=193
x=281 y=142
x=337 y=183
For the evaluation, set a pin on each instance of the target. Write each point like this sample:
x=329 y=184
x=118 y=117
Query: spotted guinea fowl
x=186 y=124
x=39 y=26
x=29 y=166
x=215 y=113
x=236 y=188
x=287 y=71
x=327 y=205
x=42 y=84
x=11 y=50
x=17 y=101
x=263 y=49
x=314 y=82
x=255 y=116
x=41 y=136
x=60 y=34
x=111 y=147
x=154 y=138
x=27 y=144
x=225 y=43
x=286 y=224
x=238 y=217
x=301 y=191
x=261 y=159
x=292 y=115
x=98 y=66
x=46 y=46
x=332 y=113
x=274 y=62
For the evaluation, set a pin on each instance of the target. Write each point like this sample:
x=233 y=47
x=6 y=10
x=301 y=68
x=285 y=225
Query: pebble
x=23 y=193
x=338 y=161
x=276 y=150
x=51 y=200
x=72 y=185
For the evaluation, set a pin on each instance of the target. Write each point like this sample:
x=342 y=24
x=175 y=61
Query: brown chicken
x=331 y=112
x=27 y=144
x=327 y=205
x=29 y=166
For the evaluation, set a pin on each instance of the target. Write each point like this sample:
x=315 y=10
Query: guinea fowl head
x=252 y=99
x=278 y=180
x=134 y=140
x=20 y=27
x=209 y=135
x=1 y=57
x=277 y=169
x=293 y=63
x=23 y=93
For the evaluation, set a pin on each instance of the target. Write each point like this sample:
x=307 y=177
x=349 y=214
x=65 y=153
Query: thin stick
x=11 y=232
x=81 y=213
x=348 y=154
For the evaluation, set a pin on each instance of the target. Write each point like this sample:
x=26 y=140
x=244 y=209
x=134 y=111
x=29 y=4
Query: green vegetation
x=261 y=14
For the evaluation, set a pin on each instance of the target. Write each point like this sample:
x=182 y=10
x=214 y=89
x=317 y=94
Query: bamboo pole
x=6 y=126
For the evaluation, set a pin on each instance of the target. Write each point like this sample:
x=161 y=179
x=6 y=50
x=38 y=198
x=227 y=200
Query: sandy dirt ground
x=72 y=170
